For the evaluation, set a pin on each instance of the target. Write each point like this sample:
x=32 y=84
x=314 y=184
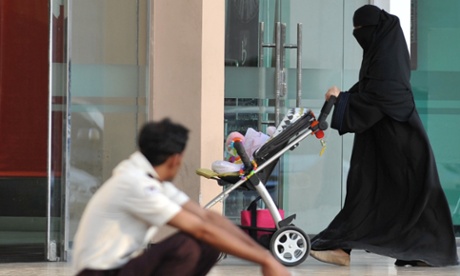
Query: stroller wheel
x=290 y=245
x=221 y=257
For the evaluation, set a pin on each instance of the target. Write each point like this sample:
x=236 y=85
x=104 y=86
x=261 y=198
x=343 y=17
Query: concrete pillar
x=187 y=82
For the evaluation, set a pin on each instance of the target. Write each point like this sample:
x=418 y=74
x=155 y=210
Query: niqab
x=365 y=21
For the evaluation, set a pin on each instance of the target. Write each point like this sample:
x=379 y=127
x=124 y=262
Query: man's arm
x=229 y=239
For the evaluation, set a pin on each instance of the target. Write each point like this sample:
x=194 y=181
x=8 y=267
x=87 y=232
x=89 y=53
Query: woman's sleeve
x=354 y=88
x=355 y=113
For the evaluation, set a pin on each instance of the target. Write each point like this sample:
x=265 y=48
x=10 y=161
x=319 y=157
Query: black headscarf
x=385 y=69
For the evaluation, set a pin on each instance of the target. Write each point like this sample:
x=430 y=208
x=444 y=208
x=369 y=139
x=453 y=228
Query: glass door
x=34 y=112
x=314 y=184
x=306 y=183
x=24 y=117
x=64 y=125
x=106 y=95
x=58 y=130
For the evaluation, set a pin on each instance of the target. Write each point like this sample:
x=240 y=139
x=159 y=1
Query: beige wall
x=187 y=82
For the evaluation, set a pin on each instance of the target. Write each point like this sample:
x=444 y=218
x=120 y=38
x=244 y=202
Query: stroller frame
x=289 y=244
x=261 y=189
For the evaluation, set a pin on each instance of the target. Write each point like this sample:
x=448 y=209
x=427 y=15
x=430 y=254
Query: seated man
x=126 y=212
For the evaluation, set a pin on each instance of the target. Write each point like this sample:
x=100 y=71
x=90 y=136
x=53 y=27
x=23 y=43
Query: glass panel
x=58 y=140
x=248 y=88
x=24 y=47
x=312 y=186
x=435 y=82
x=108 y=92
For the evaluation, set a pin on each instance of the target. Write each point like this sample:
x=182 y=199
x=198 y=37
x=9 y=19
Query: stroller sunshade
x=290 y=126
x=296 y=121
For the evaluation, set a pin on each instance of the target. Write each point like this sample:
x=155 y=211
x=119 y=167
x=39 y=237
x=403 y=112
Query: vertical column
x=213 y=78
x=187 y=82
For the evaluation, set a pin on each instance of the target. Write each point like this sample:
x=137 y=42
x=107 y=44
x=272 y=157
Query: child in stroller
x=288 y=243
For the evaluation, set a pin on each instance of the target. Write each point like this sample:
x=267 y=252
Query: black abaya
x=395 y=205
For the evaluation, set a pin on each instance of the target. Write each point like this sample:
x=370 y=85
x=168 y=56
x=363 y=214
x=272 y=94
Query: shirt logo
x=151 y=191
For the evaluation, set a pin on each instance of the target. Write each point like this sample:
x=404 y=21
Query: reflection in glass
x=108 y=87
x=435 y=85
x=308 y=185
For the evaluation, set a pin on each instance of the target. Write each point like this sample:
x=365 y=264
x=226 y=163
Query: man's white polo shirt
x=123 y=215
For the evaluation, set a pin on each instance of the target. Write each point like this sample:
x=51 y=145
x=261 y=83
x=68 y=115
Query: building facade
x=78 y=79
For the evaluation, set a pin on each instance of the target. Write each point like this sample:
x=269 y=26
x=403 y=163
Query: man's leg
x=208 y=258
x=180 y=254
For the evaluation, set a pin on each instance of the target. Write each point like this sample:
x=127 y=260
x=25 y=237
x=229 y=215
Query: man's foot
x=336 y=256
x=410 y=263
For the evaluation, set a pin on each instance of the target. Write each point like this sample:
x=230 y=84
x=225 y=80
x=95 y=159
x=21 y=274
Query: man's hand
x=333 y=91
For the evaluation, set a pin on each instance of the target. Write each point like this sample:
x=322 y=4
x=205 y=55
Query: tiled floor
x=362 y=264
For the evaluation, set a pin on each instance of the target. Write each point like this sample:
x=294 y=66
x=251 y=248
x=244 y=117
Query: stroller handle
x=239 y=147
x=325 y=110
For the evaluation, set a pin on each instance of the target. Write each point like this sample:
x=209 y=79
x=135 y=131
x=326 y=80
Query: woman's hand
x=333 y=91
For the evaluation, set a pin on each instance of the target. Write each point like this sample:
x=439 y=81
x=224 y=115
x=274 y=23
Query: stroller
x=288 y=243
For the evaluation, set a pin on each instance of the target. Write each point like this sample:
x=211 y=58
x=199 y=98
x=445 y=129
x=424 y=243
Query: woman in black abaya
x=395 y=205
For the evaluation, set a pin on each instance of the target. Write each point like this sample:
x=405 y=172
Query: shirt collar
x=141 y=161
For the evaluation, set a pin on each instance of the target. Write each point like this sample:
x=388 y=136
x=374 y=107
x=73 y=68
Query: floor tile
x=362 y=264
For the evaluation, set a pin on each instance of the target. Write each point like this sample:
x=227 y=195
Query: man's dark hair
x=159 y=140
